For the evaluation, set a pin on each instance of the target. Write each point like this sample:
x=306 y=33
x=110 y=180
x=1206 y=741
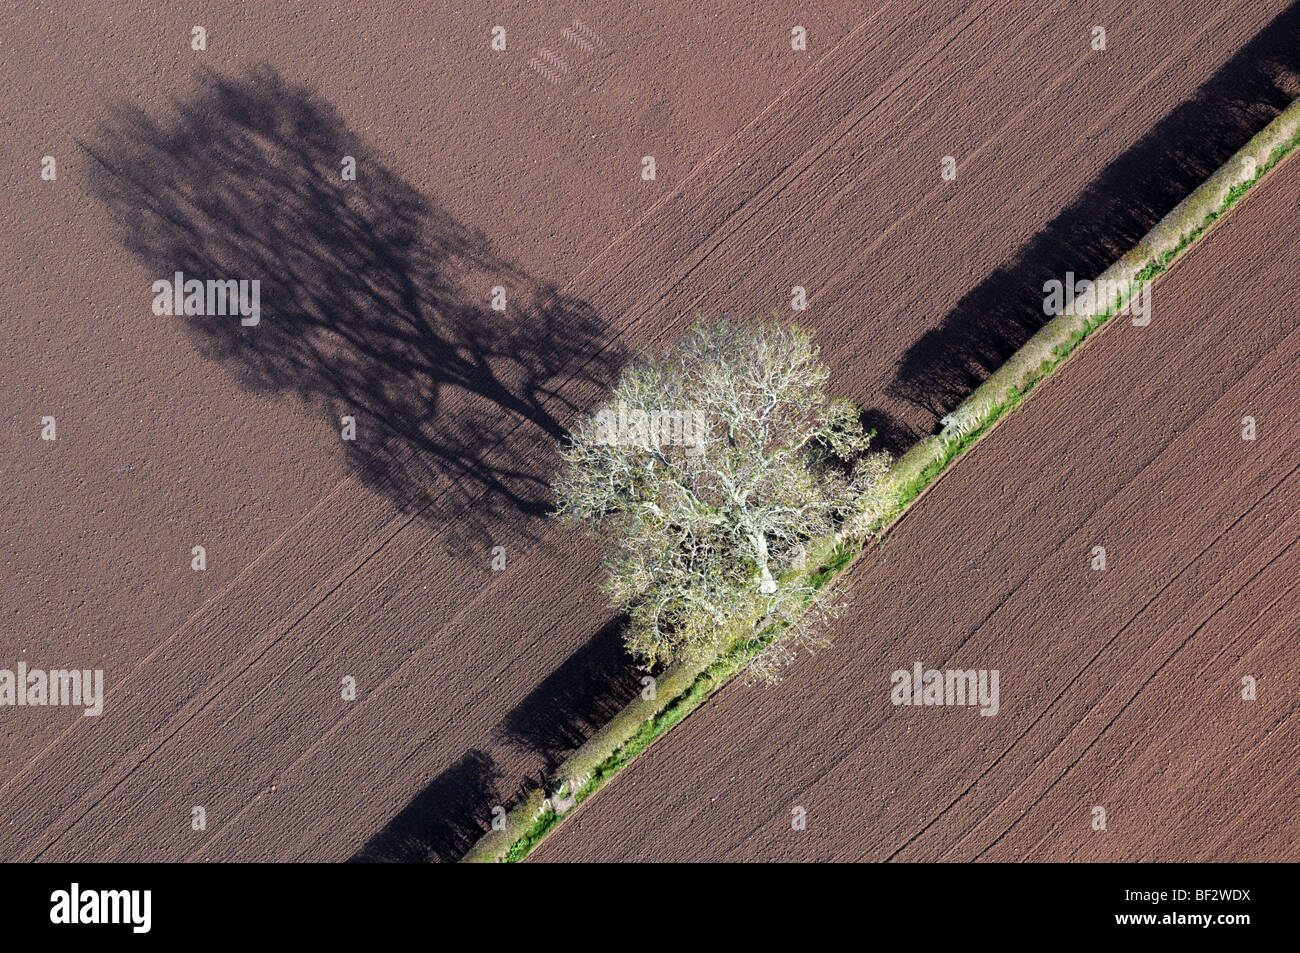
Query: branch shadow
x=443 y=821
x=1121 y=205
x=375 y=300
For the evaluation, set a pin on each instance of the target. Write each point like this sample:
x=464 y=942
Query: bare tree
x=708 y=472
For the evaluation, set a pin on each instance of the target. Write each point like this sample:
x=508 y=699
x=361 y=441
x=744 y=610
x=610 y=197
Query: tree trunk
x=766 y=585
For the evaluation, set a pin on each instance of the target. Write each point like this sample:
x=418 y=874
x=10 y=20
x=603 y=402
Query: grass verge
x=686 y=687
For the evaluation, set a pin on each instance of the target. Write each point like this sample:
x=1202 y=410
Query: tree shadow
x=577 y=698
x=446 y=818
x=375 y=300
x=443 y=821
x=1121 y=205
x=890 y=434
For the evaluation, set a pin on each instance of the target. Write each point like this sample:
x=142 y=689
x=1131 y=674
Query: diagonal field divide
x=920 y=469
x=1233 y=512
x=730 y=212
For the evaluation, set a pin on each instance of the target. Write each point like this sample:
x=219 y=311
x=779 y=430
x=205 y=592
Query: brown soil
x=1120 y=689
x=373 y=560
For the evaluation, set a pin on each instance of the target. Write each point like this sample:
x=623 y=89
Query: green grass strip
x=917 y=470
x=714 y=677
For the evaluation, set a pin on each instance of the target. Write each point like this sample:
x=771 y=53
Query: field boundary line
x=684 y=687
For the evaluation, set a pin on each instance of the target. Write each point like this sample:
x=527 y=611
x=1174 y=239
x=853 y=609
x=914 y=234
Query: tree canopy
x=708 y=472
